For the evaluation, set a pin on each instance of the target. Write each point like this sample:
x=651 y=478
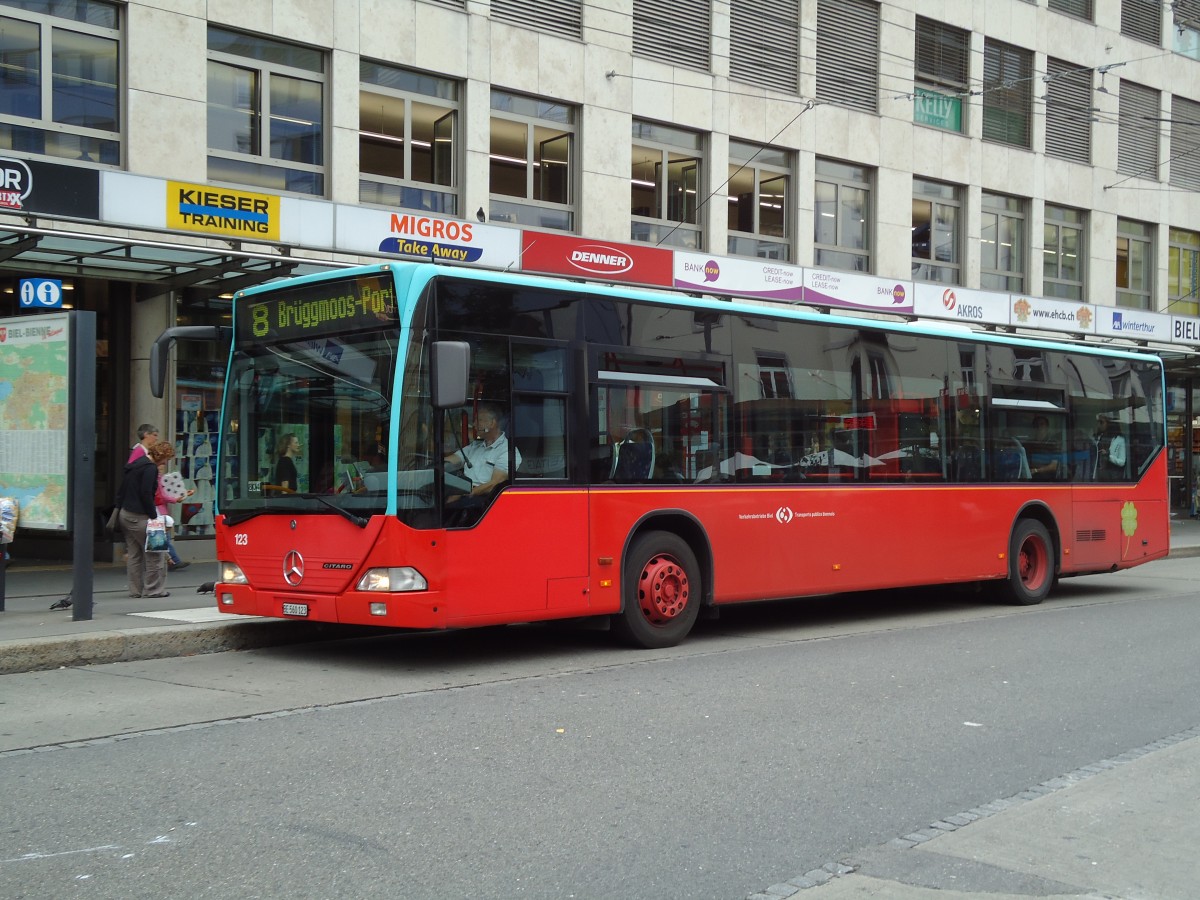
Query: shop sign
x=410 y=234
x=1185 y=330
x=938 y=110
x=209 y=210
x=846 y=289
x=36 y=187
x=1053 y=315
x=1134 y=324
x=762 y=279
x=605 y=260
x=959 y=304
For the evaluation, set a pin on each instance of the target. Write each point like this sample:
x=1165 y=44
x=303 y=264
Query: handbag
x=156 y=535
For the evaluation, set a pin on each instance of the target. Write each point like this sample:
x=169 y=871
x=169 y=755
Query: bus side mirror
x=160 y=349
x=451 y=371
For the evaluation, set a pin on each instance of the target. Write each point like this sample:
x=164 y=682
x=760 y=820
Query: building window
x=1007 y=93
x=1068 y=111
x=60 y=80
x=656 y=34
x=1183 y=273
x=1185 y=34
x=1002 y=236
x=407 y=139
x=1142 y=19
x=1137 y=131
x=848 y=53
x=774 y=376
x=935 y=231
x=760 y=201
x=764 y=43
x=942 y=60
x=1185 y=138
x=842 y=216
x=665 y=182
x=532 y=159
x=1063 y=253
x=1080 y=9
x=1135 y=264
x=266 y=113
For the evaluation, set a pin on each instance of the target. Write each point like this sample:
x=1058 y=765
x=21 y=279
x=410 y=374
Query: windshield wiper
x=345 y=513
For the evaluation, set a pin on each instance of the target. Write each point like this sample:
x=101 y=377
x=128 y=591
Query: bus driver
x=485 y=460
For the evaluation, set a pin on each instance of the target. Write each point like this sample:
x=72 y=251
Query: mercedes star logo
x=293 y=568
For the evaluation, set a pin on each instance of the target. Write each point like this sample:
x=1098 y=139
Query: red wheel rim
x=1033 y=563
x=662 y=590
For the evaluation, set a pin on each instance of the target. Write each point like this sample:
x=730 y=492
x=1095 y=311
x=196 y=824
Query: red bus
x=469 y=448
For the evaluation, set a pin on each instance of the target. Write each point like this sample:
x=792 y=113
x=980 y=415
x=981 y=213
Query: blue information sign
x=41 y=293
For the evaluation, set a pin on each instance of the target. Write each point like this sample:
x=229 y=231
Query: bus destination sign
x=366 y=303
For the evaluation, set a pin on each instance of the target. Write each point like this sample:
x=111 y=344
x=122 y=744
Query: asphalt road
x=537 y=762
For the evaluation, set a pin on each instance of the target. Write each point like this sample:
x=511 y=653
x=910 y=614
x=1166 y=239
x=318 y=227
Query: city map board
x=35 y=353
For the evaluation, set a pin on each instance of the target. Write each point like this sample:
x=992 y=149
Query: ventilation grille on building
x=848 y=53
x=561 y=17
x=764 y=43
x=1068 y=111
x=1185 y=138
x=678 y=32
x=1142 y=19
x=1137 y=131
x=1081 y=9
x=460 y=5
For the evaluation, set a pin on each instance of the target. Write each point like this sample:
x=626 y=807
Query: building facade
x=158 y=156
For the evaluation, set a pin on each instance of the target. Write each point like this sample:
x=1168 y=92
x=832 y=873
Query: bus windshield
x=308 y=401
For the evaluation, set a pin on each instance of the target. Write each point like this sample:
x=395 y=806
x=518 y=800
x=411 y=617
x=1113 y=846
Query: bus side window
x=539 y=430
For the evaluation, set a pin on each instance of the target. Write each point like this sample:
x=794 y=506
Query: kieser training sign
x=209 y=210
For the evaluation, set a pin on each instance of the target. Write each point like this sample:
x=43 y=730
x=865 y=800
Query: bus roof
x=420 y=273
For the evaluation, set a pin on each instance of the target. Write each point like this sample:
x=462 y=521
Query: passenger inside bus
x=1046 y=458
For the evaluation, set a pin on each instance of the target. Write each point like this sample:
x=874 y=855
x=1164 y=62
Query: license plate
x=295 y=609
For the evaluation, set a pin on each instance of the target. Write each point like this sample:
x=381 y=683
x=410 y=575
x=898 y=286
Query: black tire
x=1031 y=564
x=661 y=590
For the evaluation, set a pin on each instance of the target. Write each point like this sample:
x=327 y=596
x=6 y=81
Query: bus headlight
x=401 y=578
x=231 y=573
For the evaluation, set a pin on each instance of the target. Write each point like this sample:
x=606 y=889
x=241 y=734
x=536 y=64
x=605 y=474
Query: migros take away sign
x=208 y=210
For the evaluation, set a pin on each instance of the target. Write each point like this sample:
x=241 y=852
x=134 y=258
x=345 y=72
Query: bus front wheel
x=661 y=587
x=1030 y=563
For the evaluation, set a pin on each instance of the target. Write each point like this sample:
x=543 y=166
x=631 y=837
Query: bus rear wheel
x=661 y=587
x=1030 y=564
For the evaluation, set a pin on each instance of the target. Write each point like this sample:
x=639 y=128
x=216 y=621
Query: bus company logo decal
x=600 y=260
x=16 y=183
x=293 y=568
x=785 y=515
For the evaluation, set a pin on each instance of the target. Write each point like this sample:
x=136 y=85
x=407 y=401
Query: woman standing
x=147 y=571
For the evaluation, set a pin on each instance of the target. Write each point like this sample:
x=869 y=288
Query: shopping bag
x=156 y=535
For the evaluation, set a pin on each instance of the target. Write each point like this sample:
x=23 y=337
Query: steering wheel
x=417 y=461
